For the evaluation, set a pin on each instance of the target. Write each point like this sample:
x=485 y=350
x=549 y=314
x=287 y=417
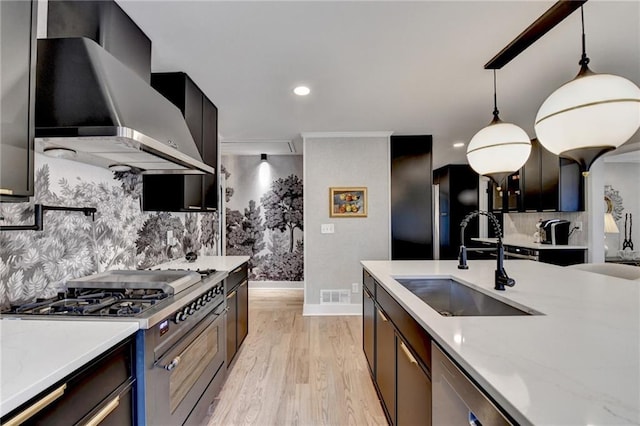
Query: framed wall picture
x=347 y=202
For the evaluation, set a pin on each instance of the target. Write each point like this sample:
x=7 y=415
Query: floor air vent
x=334 y=296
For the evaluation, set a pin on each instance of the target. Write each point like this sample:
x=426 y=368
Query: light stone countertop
x=578 y=364
x=36 y=354
x=520 y=242
x=219 y=263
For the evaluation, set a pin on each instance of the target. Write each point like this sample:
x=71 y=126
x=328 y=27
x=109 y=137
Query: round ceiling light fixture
x=302 y=90
x=119 y=168
x=590 y=115
x=57 y=152
x=499 y=149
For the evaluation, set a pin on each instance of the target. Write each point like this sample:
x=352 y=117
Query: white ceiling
x=407 y=67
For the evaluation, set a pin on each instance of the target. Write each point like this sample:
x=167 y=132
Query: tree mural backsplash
x=36 y=264
x=266 y=232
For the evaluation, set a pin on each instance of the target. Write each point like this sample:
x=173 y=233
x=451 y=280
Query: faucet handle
x=462 y=257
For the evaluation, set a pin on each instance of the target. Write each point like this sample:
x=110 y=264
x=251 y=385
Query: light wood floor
x=295 y=370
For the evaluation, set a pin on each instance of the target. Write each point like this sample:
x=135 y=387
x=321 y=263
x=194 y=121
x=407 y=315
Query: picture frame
x=348 y=202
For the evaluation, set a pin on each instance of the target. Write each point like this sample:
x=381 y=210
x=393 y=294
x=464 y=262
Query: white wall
x=625 y=178
x=332 y=261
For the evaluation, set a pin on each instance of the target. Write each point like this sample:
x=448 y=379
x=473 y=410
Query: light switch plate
x=326 y=228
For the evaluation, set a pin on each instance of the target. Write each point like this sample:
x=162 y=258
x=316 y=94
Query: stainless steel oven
x=183 y=365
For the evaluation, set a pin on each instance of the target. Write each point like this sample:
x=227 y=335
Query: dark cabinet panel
x=551 y=183
x=414 y=389
x=386 y=363
x=563 y=257
x=237 y=292
x=186 y=192
x=368 y=328
x=243 y=312
x=457 y=196
x=105 y=23
x=411 y=197
x=232 y=324
x=18 y=50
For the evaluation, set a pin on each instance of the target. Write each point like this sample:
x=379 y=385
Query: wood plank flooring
x=295 y=370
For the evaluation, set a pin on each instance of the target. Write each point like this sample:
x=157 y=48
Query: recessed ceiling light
x=56 y=152
x=302 y=90
x=458 y=144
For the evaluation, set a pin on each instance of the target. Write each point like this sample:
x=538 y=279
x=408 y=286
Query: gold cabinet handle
x=366 y=293
x=37 y=407
x=5 y=191
x=233 y=293
x=193 y=207
x=245 y=282
x=412 y=360
x=106 y=410
x=382 y=317
x=238 y=269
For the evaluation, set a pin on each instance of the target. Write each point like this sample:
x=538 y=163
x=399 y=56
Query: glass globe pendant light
x=590 y=115
x=499 y=149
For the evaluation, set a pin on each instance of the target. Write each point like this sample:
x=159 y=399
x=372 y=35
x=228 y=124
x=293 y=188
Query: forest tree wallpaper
x=264 y=215
x=36 y=264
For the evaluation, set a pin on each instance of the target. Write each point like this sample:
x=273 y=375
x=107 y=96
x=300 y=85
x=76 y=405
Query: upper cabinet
x=545 y=183
x=18 y=60
x=186 y=192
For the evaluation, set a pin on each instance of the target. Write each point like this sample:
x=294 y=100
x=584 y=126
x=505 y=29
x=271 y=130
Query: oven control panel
x=211 y=295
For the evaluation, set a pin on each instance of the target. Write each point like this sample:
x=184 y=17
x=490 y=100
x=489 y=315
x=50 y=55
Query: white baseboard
x=283 y=285
x=316 y=309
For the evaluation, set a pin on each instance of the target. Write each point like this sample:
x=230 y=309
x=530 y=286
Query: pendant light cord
x=584 y=60
x=495 y=99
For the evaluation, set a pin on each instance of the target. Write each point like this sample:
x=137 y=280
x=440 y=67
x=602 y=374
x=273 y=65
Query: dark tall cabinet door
x=232 y=315
x=386 y=362
x=457 y=196
x=414 y=389
x=186 y=192
x=243 y=312
x=368 y=328
x=18 y=60
x=411 y=198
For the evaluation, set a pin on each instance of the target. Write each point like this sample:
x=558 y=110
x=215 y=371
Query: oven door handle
x=173 y=364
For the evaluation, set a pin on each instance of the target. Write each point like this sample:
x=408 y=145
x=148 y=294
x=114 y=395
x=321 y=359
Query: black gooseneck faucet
x=501 y=277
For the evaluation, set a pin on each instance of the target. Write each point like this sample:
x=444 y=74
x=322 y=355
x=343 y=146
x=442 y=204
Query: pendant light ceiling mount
x=499 y=149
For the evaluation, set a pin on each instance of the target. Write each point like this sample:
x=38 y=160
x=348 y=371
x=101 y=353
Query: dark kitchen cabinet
x=411 y=197
x=386 y=363
x=402 y=357
x=237 y=292
x=105 y=23
x=17 y=77
x=551 y=183
x=457 y=191
x=414 y=388
x=100 y=389
x=186 y=192
x=368 y=328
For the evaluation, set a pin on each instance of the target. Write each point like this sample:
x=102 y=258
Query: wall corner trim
x=342 y=309
x=385 y=134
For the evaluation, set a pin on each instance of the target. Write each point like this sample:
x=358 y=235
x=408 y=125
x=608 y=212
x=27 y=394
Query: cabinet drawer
x=235 y=278
x=369 y=282
x=413 y=332
x=83 y=390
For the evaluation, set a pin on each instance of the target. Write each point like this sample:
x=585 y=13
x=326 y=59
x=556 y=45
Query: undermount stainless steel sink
x=455 y=299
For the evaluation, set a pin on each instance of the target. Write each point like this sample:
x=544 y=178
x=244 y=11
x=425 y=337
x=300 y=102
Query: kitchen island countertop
x=579 y=363
x=38 y=353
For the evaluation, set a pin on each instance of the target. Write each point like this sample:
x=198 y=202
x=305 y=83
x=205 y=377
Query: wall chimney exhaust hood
x=98 y=109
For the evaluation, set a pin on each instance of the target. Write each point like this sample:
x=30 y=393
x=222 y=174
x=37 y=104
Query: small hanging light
x=499 y=149
x=590 y=115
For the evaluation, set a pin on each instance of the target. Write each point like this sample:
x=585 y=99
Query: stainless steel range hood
x=102 y=113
